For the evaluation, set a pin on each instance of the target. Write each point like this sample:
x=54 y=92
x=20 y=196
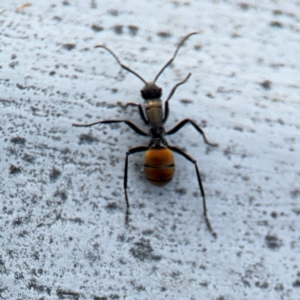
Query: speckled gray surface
x=62 y=232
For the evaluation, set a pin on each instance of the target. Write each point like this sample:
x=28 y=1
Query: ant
x=159 y=164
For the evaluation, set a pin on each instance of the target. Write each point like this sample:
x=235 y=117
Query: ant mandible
x=159 y=164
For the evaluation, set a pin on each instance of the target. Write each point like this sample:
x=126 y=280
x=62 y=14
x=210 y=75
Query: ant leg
x=179 y=151
x=171 y=94
x=130 y=151
x=182 y=123
x=131 y=125
x=139 y=107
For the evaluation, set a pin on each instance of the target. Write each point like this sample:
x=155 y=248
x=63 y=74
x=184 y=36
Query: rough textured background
x=62 y=232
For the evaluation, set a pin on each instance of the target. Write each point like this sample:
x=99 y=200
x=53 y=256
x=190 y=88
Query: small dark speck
x=28 y=158
x=54 y=174
x=133 y=30
x=13 y=64
x=209 y=95
x=18 y=276
x=276 y=24
x=245 y=178
x=51 y=73
x=203 y=123
x=238 y=128
x=69 y=46
x=93 y=4
x=295 y=193
x=65 y=3
x=20 y=86
x=140 y=288
x=266 y=84
x=181 y=191
x=61 y=194
x=34 y=285
x=204 y=283
x=35 y=256
x=175 y=274
x=274 y=214
x=263 y=285
x=65 y=151
x=13 y=170
x=18 y=140
x=57 y=18
x=77 y=220
x=111 y=206
x=118 y=29
x=244 y=6
x=186 y=101
x=235 y=35
x=87 y=139
x=277 y=12
x=164 y=34
x=273 y=242
x=280 y=121
x=18 y=221
x=97 y=28
x=121 y=238
x=296 y=211
x=296 y=283
x=67 y=294
x=263 y=223
x=113 y=12
x=13 y=56
x=142 y=251
x=197 y=47
x=148 y=232
x=278 y=287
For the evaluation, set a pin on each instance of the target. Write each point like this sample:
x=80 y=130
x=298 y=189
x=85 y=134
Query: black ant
x=159 y=164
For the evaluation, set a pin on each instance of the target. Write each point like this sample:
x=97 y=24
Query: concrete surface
x=62 y=231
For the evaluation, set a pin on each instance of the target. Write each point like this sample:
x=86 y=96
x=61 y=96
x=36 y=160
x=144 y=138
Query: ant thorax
x=154 y=111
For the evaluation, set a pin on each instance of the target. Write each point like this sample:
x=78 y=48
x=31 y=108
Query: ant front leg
x=184 y=122
x=171 y=94
x=189 y=158
x=146 y=121
x=130 y=124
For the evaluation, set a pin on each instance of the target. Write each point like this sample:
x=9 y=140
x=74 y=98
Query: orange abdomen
x=159 y=165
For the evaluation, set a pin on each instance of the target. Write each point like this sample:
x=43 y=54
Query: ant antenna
x=175 y=53
x=118 y=61
x=162 y=69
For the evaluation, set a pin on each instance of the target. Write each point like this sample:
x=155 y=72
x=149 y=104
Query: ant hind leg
x=189 y=158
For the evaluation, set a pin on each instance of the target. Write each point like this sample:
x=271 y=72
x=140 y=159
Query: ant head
x=151 y=91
